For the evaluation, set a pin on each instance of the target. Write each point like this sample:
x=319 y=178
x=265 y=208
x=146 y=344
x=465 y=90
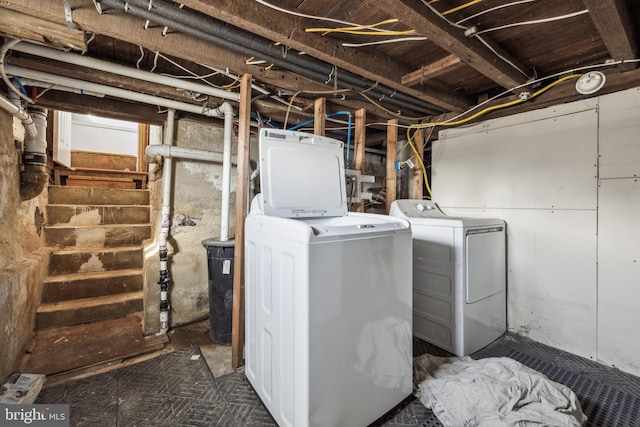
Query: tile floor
x=194 y=386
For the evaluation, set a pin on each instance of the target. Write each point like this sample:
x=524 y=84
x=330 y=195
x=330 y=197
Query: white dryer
x=327 y=292
x=459 y=277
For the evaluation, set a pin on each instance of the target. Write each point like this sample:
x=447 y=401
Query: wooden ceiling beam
x=612 y=19
x=26 y=27
x=471 y=51
x=431 y=71
x=131 y=29
x=103 y=107
x=289 y=31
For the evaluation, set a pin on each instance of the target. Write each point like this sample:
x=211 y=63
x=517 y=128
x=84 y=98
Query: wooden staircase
x=92 y=301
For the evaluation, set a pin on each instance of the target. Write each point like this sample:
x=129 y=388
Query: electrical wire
x=356 y=28
x=315 y=92
x=505 y=59
x=462 y=6
x=515 y=3
x=536 y=21
x=462 y=27
x=452 y=122
x=320 y=18
x=403 y=39
x=326 y=31
x=419 y=158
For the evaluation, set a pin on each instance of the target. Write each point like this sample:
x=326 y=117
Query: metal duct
x=209 y=29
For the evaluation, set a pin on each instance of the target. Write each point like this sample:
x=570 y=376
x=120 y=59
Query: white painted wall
x=99 y=134
x=563 y=180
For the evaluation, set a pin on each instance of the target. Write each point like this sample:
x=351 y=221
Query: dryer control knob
x=420 y=207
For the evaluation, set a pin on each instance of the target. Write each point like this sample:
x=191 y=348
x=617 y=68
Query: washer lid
x=301 y=175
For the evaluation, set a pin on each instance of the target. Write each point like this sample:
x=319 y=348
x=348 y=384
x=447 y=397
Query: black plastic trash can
x=220 y=261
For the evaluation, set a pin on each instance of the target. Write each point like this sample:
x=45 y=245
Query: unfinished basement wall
x=565 y=179
x=23 y=258
x=195 y=216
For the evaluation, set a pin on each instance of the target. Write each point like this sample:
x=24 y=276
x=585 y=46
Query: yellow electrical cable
x=432 y=125
x=354 y=28
x=499 y=106
x=326 y=31
x=462 y=6
x=419 y=157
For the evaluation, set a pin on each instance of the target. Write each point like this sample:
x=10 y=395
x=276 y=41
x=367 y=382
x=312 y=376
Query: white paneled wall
x=573 y=279
x=619 y=231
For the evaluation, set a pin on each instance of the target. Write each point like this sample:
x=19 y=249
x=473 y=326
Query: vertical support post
x=392 y=143
x=417 y=179
x=242 y=194
x=143 y=141
x=319 y=114
x=358 y=148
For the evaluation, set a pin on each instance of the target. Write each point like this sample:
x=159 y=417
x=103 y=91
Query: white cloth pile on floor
x=493 y=392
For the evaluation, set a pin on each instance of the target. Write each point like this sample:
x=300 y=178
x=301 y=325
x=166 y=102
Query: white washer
x=459 y=277
x=327 y=292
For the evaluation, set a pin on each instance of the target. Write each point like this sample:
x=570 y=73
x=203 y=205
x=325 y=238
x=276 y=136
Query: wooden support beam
x=143 y=141
x=358 y=148
x=242 y=200
x=417 y=179
x=612 y=19
x=473 y=52
x=392 y=143
x=431 y=71
x=319 y=115
x=289 y=31
x=26 y=27
x=128 y=28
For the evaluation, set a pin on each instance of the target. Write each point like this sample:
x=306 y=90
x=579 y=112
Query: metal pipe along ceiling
x=211 y=30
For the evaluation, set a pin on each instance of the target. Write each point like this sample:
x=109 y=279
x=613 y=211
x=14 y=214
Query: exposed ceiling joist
x=471 y=51
x=289 y=31
x=40 y=30
x=613 y=22
x=131 y=29
x=431 y=71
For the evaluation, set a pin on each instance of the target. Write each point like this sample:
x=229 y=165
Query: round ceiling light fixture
x=590 y=82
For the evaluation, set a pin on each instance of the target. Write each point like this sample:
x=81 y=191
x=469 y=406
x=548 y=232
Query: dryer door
x=486 y=263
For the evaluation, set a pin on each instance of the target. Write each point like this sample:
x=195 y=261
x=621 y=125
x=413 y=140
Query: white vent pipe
x=20 y=113
x=167 y=151
x=113 y=91
x=164 y=227
x=110 y=67
x=226 y=171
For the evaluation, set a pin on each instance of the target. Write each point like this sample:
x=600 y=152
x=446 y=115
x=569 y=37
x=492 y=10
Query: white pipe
x=113 y=91
x=168 y=151
x=226 y=171
x=164 y=228
x=110 y=67
x=3 y=52
x=20 y=113
x=47 y=86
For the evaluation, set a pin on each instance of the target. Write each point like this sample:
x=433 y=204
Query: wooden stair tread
x=81 y=303
x=70 y=347
x=95 y=206
x=93 y=275
x=69 y=250
x=69 y=226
